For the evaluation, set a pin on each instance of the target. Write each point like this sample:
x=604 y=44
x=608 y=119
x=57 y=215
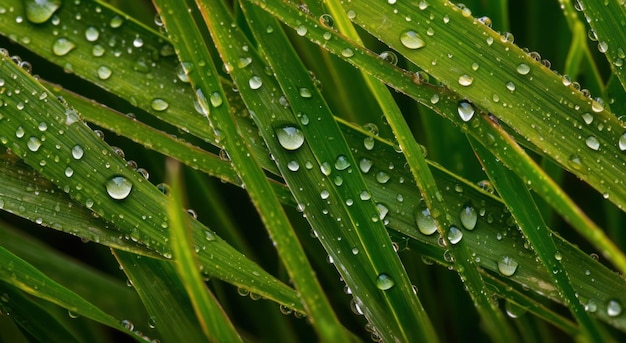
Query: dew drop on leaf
x=411 y=40
x=466 y=110
x=62 y=46
x=454 y=235
x=92 y=34
x=507 y=266
x=159 y=104
x=469 y=217
x=465 y=80
x=425 y=222
x=33 y=144
x=523 y=69
x=622 y=142
x=587 y=118
x=613 y=308
x=77 y=152
x=342 y=162
x=384 y=282
x=255 y=82
x=39 y=11
x=104 y=72
x=593 y=143
x=290 y=137
x=118 y=187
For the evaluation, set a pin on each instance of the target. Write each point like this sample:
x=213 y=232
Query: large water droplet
x=523 y=69
x=342 y=162
x=365 y=165
x=77 y=152
x=33 y=144
x=384 y=282
x=455 y=235
x=255 y=82
x=62 y=46
x=613 y=308
x=92 y=34
x=119 y=187
x=507 y=266
x=465 y=80
x=622 y=142
x=290 y=137
x=468 y=216
x=466 y=110
x=587 y=118
x=382 y=177
x=592 y=142
x=425 y=222
x=104 y=72
x=39 y=11
x=411 y=40
x=159 y=104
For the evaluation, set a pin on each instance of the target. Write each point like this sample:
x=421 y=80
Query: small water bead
x=216 y=99
x=62 y=46
x=116 y=22
x=434 y=99
x=19 y=132
x=587 y=118
x=425 y=222
x=613 y=308
x=365 y=165
x=98 y=50
x=33 y=144
x=622 y=142
x=293 y=166
x=342 y=162
x=327 y=20
x=597 y=105
x=119 y=187
x=465 y=80
x=351 y=14
x=382 y=211
x=368 y=143
x=593 y=143
x=389 y=56
x=159 y=105
x=466 y=110
x=39 y=11
x=324 y=194
x=301 y=30
x=469 y=217
x=382 y=177
x=575 y=162
x=603 y=46
x=507 y=266
x=411 y=40
x=77 y=152
x=523 y=69
x=338 y=180
x=365 y=195
x=384 y=282
x=305 y=93
x=138 y=42
x=255 y=82
x=454 y=235
x=290 y=137
x=92 y=34
x=510 y=86
x=325 y=168
x=347 y=52
x=104 y=72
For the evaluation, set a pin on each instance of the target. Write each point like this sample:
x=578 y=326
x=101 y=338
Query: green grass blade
x=27 y=278
x=186 y=38
x=609 y=30
x=104 y=183
x=214 y=322
x=356 y=243
x=519 y=201
x=157 y=284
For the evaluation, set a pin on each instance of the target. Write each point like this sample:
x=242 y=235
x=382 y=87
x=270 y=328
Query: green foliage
x=375 y=220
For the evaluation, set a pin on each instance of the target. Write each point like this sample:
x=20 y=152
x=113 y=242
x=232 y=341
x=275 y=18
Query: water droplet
x=465 y=80
x=138 y=42
x=382 y=211
x=116 y=22
x=62 y=46
x=342 y=162
x=466 y=110
x=324 y=194
x=454 y=235
x=587 y=118
x=603 y=46
x=327 y=20
x=33 y=144
x=69 y=172
x=159 y=104
x=365 y=165
x=389 y=57
x=301 y=30
x=510 y=86
x=382 y=177
x=575 y=162
x=92 y=34
x=290 y=137
x=255 y=82
x=325 y=168
x=622 y=142
x=425 y=222
x=593 y=143
x=104 y=72
x=384 y=282
x=77 y=152
x=411 y=40
x=293 y=166
x=305 y=93
x=613 y=308
x=507 y=266
x=597 y=105
x=365 y=195
x=591 y=306
x=368 y=143
x=39 y=11
x=469 y=217
x=347 y=52
x=19 y=132
x=216 y=99
x=523 y=69
x=119 y=187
